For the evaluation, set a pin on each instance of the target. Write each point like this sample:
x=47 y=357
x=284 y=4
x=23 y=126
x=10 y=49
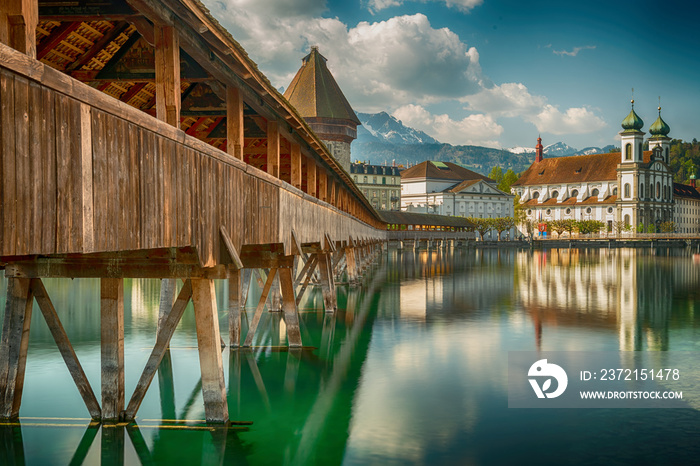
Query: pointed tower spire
x=318 y=99
x=539 y=150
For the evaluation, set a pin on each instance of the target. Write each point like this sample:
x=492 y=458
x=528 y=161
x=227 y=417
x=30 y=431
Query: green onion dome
x=632 y=122
x=659 y=127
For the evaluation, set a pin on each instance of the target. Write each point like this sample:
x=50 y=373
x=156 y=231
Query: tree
x=559 y=226
x=668 y=227
x=620 y=226
x=570 y=226
x=508 y=179
x=502 y=224
x=496 y=174
x=481 y=225
x=590 y=226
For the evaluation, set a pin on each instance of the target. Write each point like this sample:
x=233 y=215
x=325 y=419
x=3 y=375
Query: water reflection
x=412 y=367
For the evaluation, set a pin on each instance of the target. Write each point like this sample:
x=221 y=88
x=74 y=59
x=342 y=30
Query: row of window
x=568 y=211
x=393 y=193
x=574 y=193
x=375 y=180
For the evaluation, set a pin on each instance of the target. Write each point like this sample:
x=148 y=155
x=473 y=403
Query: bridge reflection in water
x=426 y=331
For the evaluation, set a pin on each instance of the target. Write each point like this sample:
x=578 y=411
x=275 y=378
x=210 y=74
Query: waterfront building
x=448 y=189
x=631 y=186
x=380 y=184
x=317 y=97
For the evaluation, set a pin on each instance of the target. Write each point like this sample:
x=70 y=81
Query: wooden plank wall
x=83 y=173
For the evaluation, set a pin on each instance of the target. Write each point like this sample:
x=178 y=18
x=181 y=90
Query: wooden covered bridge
x=137 y=139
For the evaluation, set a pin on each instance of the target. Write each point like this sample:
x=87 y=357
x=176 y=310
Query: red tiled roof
x=684 y=190
x=460 y=186
x=577 y=168
x=452 y=171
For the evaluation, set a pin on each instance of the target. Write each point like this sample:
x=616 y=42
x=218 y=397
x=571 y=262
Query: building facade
x=631 y=186
x=448 y=189
x=380 y=184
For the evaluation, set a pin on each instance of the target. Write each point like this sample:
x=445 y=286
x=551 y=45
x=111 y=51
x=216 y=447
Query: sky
x=493 y=73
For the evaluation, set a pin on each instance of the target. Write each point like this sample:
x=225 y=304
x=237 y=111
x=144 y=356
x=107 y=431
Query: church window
x=568 y=211
x=595 y=193
x=627 y=220
x=536 y=195
x=588 y=210
x=574 y=193
x=627 y=190
x=658 y=190
x=555 y=194
x=614 y=191
x=628 y=152
x=610 y=210
x=641 y=190
x=639 y=150
x=667 y=154
x=549 y=211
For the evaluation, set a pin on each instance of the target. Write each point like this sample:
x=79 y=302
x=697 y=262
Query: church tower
x=632 y=137
x=318 y=99
x=659 y=137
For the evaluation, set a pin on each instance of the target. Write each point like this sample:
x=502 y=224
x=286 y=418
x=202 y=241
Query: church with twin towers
x=632 y=186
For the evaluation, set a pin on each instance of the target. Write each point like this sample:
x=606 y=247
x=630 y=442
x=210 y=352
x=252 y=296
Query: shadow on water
x=410 y=369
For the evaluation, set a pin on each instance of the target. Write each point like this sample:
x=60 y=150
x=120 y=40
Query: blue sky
x=490 y=72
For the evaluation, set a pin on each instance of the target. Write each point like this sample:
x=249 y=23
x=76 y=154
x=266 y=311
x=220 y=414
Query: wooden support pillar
x=18 y=20
x=296 y=165
x=234 y=122
x=112 y=338
x=167 y=64
x=352 y=265
x=168 y=291
x=259 y=309
x=289 y=306
x=13 y=345
x=234 y=307
x=332 y=198
x=275 y=296
x=327 y=282
x=311 y=176
x=322 y=184
x=273 y=149
x=208 y=341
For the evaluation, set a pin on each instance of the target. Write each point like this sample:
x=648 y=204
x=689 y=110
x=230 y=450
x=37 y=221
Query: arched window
x=574 y=193
x=614 y=191
x=536 y=195
x=639 y=151
x=595 y=193
x=628 y=152
x=555 y=194
x=658 y=190
x=666 y=155
x=568 y=211
x=627 y=220
x=641 y=190
x=627 y=190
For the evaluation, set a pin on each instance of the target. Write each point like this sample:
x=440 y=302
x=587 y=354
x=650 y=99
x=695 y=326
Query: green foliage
x=589 y=226
x=668 y=227
x=640 y=228
x=619 y=226
x=502 y=224
x=685 y=158
x=558 y=226
x=496 y=174
x=481 y=225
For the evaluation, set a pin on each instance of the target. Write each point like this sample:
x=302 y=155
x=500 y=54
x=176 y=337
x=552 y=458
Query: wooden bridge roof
x=109 y=44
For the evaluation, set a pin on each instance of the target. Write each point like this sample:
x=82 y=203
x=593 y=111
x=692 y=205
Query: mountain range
x=382 y=139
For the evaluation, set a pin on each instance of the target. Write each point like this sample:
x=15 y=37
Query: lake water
x=412 y=369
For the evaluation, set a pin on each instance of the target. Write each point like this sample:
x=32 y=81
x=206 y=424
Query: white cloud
x=507 y=100
x=462 y=5
x=574 y=52
x=476 y=129
x=576 y=120
x=378 y=65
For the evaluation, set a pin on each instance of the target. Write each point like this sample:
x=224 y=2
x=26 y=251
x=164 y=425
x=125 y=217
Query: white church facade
x=631 y=186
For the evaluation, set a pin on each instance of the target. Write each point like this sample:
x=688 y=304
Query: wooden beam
x=289 y=306
x=168 y=93
x=310 y=176
x=234 y=307
x=231 y=255
x=322 y=184
x=296 y=165
x=259 y=309
x=167 y=329
x=18 y=20
x=13 y=346
x=133 y=90
x=57 y=35
x=327 y=282
x=234 y=122
x=313 y=261
x=111 y=35
x=208 y=341
x=66 y=349
x=112 y=338
x=273 y=149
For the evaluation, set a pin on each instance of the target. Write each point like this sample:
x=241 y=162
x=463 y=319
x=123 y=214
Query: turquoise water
x=412 y=369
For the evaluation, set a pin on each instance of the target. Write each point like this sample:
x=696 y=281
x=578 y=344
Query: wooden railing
x=84 y=173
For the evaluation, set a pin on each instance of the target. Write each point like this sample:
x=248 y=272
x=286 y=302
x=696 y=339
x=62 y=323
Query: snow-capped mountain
x=561 y=149
x=382 y=127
